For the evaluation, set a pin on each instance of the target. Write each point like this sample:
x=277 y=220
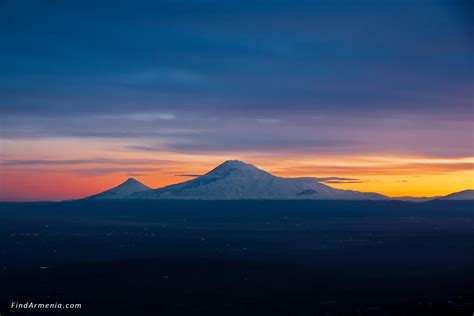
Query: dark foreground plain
x=238 y=257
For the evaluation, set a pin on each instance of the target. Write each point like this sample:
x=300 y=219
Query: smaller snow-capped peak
x=130 y=181
x=130 y=186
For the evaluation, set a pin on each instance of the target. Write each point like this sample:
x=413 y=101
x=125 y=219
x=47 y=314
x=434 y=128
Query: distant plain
x=239 y=257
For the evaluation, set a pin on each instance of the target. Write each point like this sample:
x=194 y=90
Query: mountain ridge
x=237 y=180
x=458 y=196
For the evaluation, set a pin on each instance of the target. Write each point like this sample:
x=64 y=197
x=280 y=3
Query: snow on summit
x=123 y=190
x=236 y=168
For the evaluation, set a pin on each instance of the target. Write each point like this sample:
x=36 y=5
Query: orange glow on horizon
x=388 y=175
x=89 y=168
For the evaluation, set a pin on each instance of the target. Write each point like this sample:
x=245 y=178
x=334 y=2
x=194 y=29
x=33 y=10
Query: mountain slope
x=122 y=191
x=462 y=195
x=236 y=180
x=413 y=198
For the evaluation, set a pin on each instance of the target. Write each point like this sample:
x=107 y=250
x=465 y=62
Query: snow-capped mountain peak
x=131 y=181
x=124 y=189
x=236 y=180
x=236 y=168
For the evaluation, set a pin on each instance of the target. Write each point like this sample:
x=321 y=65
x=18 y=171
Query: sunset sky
x=94 y=92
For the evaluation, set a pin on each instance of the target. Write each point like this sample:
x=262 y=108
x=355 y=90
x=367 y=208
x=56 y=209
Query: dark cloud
x=325 y=180
x=196 y=134
x=100 y=171
x=104 y=161
x=142 y=148
x=188 y=175
x=388 y=169
x=329 y=179
x=239 y=57
x=342 y=182
x=229 y=143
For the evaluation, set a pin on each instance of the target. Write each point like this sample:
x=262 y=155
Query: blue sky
x=237 y=58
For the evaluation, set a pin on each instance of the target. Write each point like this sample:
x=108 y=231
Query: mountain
x=123 y=190
x=462 y=195
x=414 y=198
x=236 y=180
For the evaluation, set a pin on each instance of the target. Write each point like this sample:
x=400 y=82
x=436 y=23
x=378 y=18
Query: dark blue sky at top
x=236 y=57
x=306 y=77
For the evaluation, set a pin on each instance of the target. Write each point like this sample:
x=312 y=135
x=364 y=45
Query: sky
x=94 y=92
